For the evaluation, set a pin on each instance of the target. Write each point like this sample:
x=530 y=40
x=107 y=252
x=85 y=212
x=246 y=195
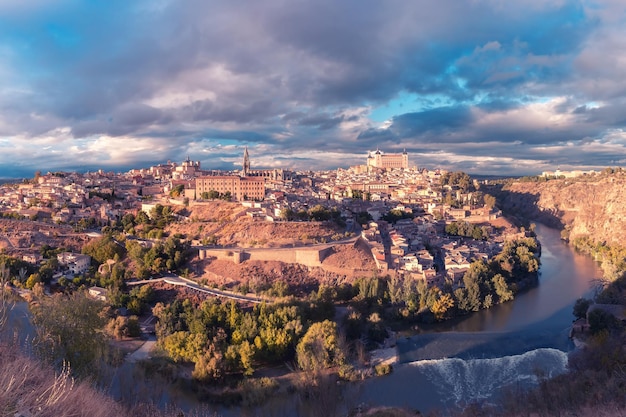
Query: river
x=508 y=346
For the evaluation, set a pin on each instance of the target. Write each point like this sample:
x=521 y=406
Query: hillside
x=593 y=206
x=227 y=224
x=336 y=268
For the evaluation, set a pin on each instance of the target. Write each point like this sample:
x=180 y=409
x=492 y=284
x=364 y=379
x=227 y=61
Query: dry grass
x=33 y=390
x=29 y=388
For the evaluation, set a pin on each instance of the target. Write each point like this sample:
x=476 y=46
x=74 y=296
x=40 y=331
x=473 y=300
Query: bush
x=257 y=391
x=348 y=373
x=382 y=369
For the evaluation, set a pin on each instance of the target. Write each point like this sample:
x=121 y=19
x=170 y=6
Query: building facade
x=241 y=188
x=382 y=160
x=75 y=263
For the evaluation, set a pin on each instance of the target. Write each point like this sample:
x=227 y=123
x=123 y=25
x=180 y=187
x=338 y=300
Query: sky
x=484 y=86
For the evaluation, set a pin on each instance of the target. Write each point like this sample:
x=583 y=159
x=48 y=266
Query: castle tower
x=246 y=163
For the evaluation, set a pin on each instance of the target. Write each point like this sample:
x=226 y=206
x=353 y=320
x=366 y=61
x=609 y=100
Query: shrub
x=382 y=369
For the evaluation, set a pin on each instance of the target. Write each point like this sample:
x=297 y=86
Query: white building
x=76 y=263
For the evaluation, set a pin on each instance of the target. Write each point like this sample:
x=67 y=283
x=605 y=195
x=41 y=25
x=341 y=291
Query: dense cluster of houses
x=420 y=248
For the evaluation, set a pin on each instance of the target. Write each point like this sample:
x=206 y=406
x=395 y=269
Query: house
x=32 y=258
x=75 y=263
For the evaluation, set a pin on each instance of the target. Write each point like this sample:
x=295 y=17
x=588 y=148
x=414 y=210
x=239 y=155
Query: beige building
x=382 y=160
x=241 y=188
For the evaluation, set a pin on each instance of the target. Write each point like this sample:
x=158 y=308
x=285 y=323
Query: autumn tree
x=441 y=305
x=319 y=347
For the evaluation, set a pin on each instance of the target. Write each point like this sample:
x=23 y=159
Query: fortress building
x=382 y=160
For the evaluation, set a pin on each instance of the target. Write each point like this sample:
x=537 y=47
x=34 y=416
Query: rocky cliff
x=593 y=206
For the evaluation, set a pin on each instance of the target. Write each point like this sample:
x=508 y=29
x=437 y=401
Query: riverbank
x=476 y=357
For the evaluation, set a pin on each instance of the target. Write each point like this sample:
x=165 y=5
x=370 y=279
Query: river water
x=507 y=346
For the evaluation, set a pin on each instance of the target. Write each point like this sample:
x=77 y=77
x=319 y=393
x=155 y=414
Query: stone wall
x=311 y=256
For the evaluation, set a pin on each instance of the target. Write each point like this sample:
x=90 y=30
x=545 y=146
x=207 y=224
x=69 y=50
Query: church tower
x=246 y=163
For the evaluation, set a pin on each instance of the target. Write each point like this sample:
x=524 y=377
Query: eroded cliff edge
x=592 y=206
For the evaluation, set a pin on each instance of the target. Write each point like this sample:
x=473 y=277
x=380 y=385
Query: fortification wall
x=311 y=257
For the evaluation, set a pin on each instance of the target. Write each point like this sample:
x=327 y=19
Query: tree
x=601 y=320
x=580 y=307
x=177 y=190
x=319 y=348
x=490 y=201
x=103 y=249
x=442 y=305
x=69 y=328
x=287 y=214
x=319 y=213
x=210 y=365
x=502 y=289
x=32 y=280
x=120 y=327
x=185 y=346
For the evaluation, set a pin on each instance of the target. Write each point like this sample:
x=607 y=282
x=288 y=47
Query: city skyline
x=487 y=87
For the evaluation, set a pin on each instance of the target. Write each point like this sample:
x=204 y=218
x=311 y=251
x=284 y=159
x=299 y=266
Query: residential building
x=75 y=263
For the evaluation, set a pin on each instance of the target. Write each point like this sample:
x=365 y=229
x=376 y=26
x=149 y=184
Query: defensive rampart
x=309 y=256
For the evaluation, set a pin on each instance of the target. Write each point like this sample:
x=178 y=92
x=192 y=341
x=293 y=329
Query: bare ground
x=229 y=224
x=21 y=236
x=338 y=267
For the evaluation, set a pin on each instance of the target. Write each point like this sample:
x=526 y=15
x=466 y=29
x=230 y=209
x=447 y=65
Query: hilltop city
x=362 y=196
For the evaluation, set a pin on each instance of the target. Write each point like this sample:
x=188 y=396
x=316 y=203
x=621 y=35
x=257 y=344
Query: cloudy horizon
x=483 y=86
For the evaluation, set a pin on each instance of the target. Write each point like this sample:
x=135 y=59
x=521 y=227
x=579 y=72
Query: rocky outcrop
x=588 y=206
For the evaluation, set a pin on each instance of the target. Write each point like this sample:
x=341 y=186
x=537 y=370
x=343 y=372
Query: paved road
x=180 y=281
x=144 y=350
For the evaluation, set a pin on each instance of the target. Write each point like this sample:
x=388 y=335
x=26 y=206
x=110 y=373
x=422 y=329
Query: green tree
x=70 y=328
x=185 y=346
x=502 y=289
x=32 y=280
x=287 y=214
x=319 y=213
x=600 y=320
x=103 y=248
x=441 y=306
x=580 y=307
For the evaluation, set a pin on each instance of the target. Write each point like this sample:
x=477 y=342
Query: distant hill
x=10 y=180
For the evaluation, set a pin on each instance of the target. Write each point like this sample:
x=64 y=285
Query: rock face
x=591 y=206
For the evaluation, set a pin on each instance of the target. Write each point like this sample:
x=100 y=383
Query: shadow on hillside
x=524 y=208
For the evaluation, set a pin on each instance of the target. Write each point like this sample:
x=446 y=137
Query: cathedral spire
x=246 y=163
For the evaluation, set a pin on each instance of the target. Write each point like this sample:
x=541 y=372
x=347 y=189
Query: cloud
x=302 y=81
